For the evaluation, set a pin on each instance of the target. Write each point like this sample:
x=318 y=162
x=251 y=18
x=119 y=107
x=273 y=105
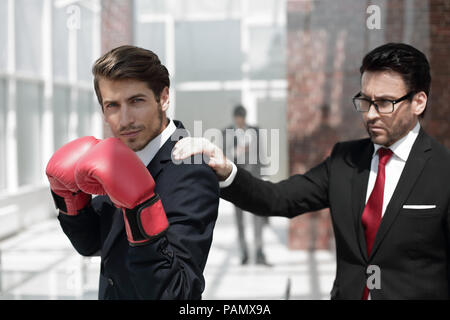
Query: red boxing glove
x=69 y=199
x=113 y=168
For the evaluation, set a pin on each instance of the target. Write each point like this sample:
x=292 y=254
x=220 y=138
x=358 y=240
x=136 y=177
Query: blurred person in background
x=240 y=139
x=153 y=222
x=388 y=194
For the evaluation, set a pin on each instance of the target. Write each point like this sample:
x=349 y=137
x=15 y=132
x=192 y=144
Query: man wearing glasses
x=388 y=194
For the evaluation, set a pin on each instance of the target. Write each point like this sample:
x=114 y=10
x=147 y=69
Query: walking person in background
x=241 y=139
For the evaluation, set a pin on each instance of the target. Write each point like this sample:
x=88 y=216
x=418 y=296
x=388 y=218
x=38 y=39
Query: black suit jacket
x=170 y=267
x=411 y=247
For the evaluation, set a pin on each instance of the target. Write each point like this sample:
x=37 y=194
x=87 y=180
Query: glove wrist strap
x=146 y=221
x=71 y=205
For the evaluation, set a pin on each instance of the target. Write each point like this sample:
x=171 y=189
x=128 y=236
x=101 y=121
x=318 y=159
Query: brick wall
x=438 y=117
x=117 y=23
x=326 y=43
x=325 y=46
x=116 y=30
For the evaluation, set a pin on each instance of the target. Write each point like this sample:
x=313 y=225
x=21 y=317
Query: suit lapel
x=361 y=160
x=417 y=159
x=162 y=157
x=164 y=154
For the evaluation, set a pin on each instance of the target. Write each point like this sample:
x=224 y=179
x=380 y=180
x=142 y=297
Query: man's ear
x=164 y=99
x=419 y=103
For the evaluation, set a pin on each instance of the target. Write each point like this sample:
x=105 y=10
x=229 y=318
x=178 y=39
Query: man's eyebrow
x=385 y=97
x=105 y=102
x=138 y=95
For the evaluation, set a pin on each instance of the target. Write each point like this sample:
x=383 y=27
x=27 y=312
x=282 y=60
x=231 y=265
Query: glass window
x=272 y=115
x=267 y=53
x=208 y=50
x=185 y=8
x=151 y=7
x=203 y=106
x=60 y=45
x=85 y=112
x=3 y=108
x=61 y=113
x=28 y=16
x=267 y=8
x=3 y=35
x=84 y=45
x=152 y=36
x=29 y=116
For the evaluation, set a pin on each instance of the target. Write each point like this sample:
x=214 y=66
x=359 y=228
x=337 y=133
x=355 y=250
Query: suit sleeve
x=83 y=230
x=448 y=237
x=171 y=267
x=288 y=198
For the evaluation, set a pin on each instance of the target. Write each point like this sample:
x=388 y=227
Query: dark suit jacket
x=411 y=247
x=170 y=267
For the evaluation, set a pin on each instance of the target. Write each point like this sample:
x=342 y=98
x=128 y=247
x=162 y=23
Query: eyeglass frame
x=372 y=102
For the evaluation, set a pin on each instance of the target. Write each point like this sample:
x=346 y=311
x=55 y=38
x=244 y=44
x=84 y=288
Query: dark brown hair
x=404 y=59
x=130 y=62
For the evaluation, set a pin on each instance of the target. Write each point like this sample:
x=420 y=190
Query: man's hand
x=113 y=168
x=189 y=146
x=68 y=197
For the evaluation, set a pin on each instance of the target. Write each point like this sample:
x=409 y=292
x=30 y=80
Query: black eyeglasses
x=382 y=105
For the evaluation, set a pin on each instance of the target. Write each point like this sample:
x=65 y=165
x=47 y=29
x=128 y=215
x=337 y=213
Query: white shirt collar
x=402 y=147
x=151 y=149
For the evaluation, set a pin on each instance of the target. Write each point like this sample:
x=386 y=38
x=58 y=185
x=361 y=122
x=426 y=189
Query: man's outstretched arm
x=290 y=197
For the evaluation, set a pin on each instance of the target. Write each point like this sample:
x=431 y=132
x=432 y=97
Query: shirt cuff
x=230 y=179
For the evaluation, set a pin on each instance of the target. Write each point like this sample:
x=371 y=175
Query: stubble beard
x=153 y=134
x=390 y=136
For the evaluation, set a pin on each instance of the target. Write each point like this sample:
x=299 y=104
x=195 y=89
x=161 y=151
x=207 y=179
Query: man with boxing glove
x=153 y=220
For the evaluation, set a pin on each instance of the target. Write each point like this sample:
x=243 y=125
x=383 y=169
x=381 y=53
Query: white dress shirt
x=151 y=149
x=225 y=183
x=394 y=167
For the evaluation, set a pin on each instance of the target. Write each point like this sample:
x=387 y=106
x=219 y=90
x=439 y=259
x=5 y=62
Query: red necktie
x=371 y=216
